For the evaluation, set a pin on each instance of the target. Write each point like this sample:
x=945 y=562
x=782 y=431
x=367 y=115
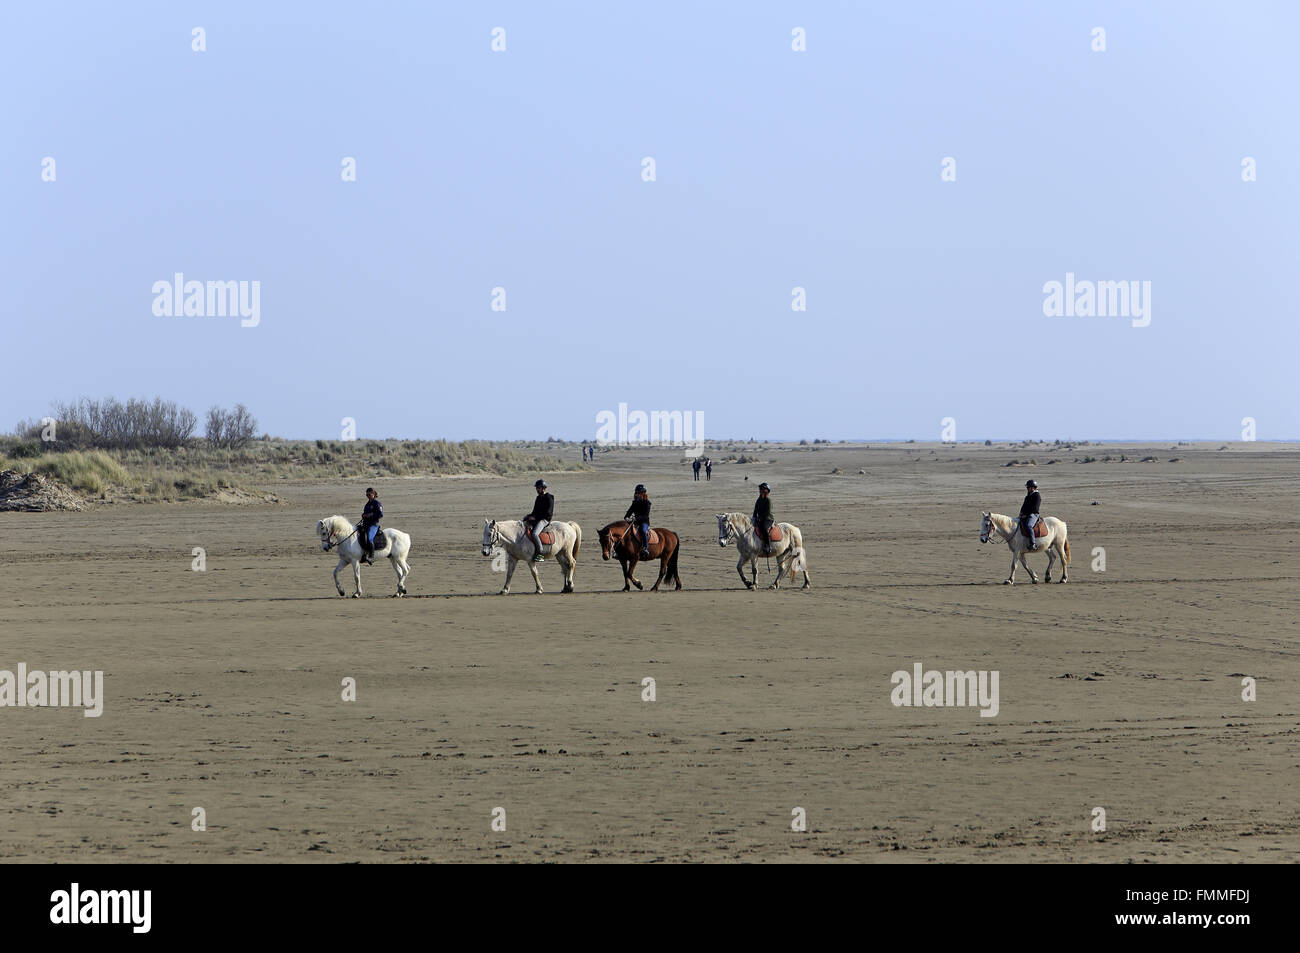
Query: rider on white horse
x=1029 y=514
x=370 y=518
x=543 y=512
x=763 y=518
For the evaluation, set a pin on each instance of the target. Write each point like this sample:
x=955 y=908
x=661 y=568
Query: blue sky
x=775 y=169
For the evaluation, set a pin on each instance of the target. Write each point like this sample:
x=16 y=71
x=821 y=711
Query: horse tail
x=672 y=562
x=1067 y=551
x=577 y=538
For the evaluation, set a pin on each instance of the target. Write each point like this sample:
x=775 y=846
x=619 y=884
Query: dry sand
x=1121 y=690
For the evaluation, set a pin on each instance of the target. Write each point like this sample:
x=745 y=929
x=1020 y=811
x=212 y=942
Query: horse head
x=987 y=527
x=491 y=535
x=325 y=530
x=608 y=539
x=726 y=529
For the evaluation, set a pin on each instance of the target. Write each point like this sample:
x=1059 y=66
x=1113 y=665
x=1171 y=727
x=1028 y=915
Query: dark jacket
x=373 y=512
x=763 y=508
x=639 y=512
x=543 y=507
x=1032 y=502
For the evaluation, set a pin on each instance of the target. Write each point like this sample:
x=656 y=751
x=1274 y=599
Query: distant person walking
x=695 y=465
x=708 y=469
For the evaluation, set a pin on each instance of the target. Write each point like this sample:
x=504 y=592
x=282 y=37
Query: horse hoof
x=1007 y=582
x=356 y=595
x=1034 y=581
x=1061 y=582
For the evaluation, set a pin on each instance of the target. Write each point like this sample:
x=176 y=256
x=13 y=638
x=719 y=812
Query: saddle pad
x=1040 y=528
x=774 y=534
x=546 y=536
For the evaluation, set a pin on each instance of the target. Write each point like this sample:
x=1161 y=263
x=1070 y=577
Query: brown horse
x=628 y=551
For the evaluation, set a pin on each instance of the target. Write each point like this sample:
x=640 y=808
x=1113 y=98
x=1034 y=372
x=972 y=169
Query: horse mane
x=332 y=522
x=738 y=518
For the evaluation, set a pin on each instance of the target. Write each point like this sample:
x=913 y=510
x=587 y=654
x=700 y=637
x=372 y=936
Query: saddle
x=654 y=537
x=1040 y=528
x=546 y=537
x=774 y=534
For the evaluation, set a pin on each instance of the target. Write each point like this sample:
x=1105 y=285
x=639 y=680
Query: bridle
x=616 y=541
x=988 y=528
x=730 y=533
x=329 y=539
x=493 y=538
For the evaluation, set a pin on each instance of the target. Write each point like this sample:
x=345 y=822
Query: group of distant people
x=702 y=463
x=588 y=453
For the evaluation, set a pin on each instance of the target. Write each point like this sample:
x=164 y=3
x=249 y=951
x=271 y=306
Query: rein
x=330 y=545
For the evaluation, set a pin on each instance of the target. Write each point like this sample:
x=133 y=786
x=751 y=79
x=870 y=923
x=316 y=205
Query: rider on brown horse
x=639 y=514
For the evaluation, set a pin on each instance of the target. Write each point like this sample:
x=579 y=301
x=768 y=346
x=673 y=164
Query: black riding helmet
x=764 y=486
x=1031 y=484
x=640 y=488
x=540 y=484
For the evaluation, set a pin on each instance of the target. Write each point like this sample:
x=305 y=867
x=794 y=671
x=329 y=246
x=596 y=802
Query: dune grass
x=198 y=471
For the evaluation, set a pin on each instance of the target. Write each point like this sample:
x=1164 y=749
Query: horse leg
x=663 y=568
x=356 y=577
x=1051 y=561
x=341 y=564
x=631 y=570
x=740 y=571
x=510 y=571
x=1032 y=577
x=1011 y=579
x=398 y=571
x=780 y=570
x=627 y=580
x=566 y=567
x=1065 y=577
x=537 y=580
x=753 y=571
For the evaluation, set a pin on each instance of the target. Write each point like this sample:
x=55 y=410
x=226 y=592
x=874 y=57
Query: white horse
x=1055 y=543
x=789 y=551
x=510 y=536
x=340 y=532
